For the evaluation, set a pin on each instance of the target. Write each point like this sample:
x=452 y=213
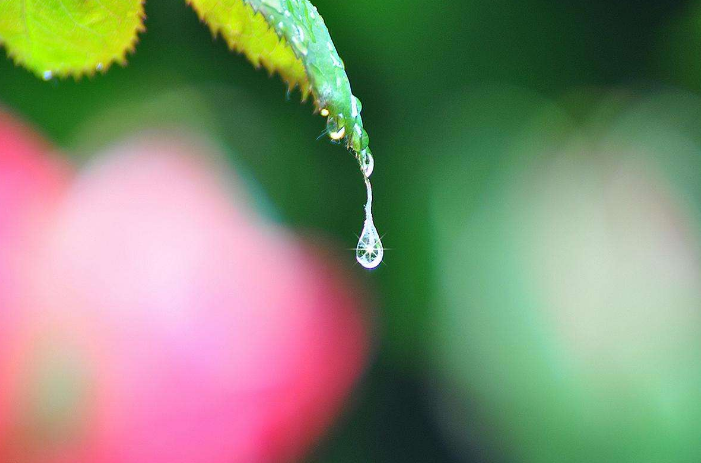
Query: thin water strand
x=369 y=251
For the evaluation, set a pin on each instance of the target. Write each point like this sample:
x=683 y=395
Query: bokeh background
x=538 y=186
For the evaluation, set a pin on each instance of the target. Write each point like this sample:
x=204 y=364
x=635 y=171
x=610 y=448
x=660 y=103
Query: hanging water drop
x=369 y=251
x=48 y=75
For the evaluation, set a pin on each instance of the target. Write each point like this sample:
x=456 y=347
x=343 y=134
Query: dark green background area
x=410 y=62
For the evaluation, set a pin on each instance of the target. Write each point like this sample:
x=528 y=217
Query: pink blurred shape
x=31 y=181
x=169 y=324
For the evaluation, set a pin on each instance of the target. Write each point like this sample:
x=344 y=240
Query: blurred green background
x=537 y=182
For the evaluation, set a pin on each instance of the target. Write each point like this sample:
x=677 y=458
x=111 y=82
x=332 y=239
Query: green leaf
x=289 y=37
x=69 y=37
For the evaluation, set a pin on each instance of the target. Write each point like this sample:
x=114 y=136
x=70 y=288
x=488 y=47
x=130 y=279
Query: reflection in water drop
x=48 y=75
x=336 y=127
x=369 y=251
x=337 y=134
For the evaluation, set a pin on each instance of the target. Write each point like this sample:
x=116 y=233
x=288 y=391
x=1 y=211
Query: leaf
x=69 y=37
x=289 y=37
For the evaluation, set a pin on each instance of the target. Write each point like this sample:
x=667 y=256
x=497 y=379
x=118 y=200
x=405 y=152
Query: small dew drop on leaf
x=298 y=40
x=367 y=162
x=338 y=134
x=47 y=75
x=336 y=126
x=359 y=139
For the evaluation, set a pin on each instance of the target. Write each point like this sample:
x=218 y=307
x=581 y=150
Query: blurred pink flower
x=30 y=182
x=166 y=322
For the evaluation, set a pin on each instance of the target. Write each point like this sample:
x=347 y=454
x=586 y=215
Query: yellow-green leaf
x=69 y=37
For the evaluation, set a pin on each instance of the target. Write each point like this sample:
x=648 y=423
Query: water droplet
x=367 y=162
x=99 y=67
x=324 y=112
x=354 y=107
x=336 y=126
x=298 y=41
x=359 y=139
x=337 y=134
x=48 y=75
x=302 y=48
x=336 y=60
x=358 y=104
x=369 y=252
